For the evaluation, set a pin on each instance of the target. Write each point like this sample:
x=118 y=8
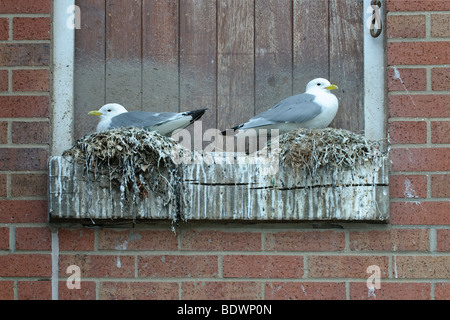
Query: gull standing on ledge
x=114 y=115
x=314 y=109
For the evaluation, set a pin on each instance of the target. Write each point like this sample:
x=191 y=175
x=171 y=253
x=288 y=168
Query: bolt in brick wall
x=234 y=260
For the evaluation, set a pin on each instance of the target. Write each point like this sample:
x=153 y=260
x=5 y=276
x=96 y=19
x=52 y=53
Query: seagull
x=114 y=115
x=314 y=109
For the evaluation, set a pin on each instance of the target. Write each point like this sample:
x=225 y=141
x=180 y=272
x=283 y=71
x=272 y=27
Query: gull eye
x=319 y=84
x=109 y=110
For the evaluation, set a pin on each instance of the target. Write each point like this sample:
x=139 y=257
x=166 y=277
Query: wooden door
x=234 y=57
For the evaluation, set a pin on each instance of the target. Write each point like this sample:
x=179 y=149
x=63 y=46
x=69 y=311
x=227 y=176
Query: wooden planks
x=160 y=55
x=89 y=82
x=346 y=62
x=124 y=53
x=234 y=57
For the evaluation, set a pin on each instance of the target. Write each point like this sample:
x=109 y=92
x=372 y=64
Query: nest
x=338 y=148
x=137 y=162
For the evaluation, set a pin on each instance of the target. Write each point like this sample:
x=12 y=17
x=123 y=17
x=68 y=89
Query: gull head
x=320 y=85
x=109 y=111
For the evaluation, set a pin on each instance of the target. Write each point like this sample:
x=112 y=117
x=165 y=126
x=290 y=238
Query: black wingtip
x=231 y=131
x=196 y=114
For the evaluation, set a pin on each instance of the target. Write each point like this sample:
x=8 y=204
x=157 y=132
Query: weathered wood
x=231 y=192
x=235 y=78
x=273 y=52
x=89 y=79
x=124 y=53
x=346 y=63
x=311 y=42
x=160 y=49
x=198 y=58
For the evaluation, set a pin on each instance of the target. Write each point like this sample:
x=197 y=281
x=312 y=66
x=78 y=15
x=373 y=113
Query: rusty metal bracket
x=376 y=19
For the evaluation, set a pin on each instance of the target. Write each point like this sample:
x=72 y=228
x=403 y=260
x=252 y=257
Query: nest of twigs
x=338 y=148
x=137 y=161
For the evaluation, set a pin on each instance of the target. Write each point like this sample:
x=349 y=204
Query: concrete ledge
x=221 y=191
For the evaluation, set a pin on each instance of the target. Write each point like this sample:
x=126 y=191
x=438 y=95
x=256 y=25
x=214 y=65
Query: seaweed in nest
x=338 y=148
x=136 y=161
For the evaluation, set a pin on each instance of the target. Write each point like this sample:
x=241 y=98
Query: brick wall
x=217 y=260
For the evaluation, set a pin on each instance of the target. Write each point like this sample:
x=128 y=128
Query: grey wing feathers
x=143 y=119
x=296 y=109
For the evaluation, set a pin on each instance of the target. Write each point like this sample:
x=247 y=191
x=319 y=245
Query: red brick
x=440 y=186
x=440 y=28
x=4 y=81
x=305 y=241
x=23 y=211
x=420 y=159
x=391 y=291
x=98 y=266
x=4 y=28
x=6 y=290
x=390 y=240
x=25 y=6
x=345 y=266
x=408 y=186
x=215 y=290
x=3 y=186
x=139 y=291
x=407 y=132
x=4 y=238
x=261 y=266
x=440 y=132
x=420 y=213
x=31 y=28
x=417 y=5
x=442 y=291
x=305 y=291
x=34 y=290
x=421 y=267
x=406 y=26
x=3 y=132
x=24 y=54
x=443 y=240
x=26 y=265
x=18 y=159
x=33 y=238
x=174 y=266
x=86 y=291
x=214 y=240
x=411 y=53
x=76 y=239
x=414 y=79
x=24 y=106
x=419 y=106
x=31 y=80
x=440 y=79
x=30 y=132
x=23 y=185
x=110 y=239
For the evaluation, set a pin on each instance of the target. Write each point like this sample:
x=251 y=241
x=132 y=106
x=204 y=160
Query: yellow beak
x=332 y=87
x=95 y=113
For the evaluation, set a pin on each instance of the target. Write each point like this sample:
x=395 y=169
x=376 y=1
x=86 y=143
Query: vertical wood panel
x=311 y=39
x=273 y=52
x=160 y=90
x=235 y=83
x=89 y=82
x=198 y=58
x=346 y=62
x=124 y=53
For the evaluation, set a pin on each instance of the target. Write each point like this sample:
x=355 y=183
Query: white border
x=374 y=78
x=63 y=74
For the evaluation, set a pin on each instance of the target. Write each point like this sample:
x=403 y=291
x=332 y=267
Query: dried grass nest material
x=315 y=148
x=137 y=162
